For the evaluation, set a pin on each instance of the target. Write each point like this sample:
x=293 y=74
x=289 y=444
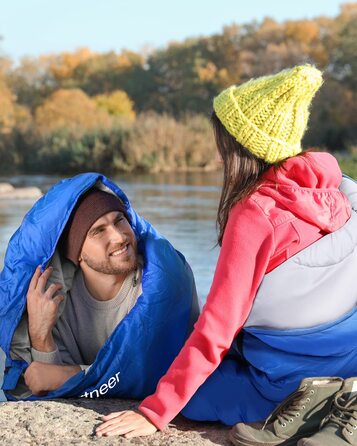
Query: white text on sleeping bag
x=103 y=389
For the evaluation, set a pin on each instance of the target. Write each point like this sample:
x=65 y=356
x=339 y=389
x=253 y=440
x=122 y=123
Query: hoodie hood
x=308 y=186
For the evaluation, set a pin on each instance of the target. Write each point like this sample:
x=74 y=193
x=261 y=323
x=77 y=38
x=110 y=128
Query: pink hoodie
x=293 y=207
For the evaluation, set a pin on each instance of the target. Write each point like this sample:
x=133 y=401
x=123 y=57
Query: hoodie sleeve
x=247 y=246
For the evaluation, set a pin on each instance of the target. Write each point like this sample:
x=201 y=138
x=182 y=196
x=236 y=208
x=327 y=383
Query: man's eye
x=97 y=231
x=119 y=220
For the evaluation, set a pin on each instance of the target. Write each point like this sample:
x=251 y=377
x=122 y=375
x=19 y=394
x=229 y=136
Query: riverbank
x=9 y=192
x=348 y=164
x=72 y=422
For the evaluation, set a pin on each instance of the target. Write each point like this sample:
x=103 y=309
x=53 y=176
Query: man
x=92 y=281
x=102 y=243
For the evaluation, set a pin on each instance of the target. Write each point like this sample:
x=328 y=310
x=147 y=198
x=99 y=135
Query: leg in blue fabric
x=228 y=396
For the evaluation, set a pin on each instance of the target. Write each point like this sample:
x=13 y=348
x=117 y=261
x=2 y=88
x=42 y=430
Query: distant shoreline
x=9 y=192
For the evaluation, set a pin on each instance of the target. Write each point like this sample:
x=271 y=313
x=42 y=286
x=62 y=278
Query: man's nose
x=116 y=234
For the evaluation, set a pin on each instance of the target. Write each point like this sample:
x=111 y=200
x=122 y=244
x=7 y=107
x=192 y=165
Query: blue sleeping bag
x=144 y=343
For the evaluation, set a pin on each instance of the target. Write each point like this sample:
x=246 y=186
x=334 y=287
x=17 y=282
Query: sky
x=37 y=27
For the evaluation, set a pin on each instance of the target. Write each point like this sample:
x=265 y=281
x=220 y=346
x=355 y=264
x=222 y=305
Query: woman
x=274 y=204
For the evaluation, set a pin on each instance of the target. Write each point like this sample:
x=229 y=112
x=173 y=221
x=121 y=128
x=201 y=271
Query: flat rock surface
x=72 y=421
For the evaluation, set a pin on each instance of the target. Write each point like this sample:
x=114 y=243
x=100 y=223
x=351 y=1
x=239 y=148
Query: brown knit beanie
x=91 y=206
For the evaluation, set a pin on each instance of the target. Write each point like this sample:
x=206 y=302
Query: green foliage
x=160 y=143
x=116 y=103
x=333 y=122
x=345 y=54
x=7 y=154
x=348 y=165
x=7 y=108
x=152 y=143
x=65 y=153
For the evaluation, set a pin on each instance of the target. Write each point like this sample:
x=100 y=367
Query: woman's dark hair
x=242 y=173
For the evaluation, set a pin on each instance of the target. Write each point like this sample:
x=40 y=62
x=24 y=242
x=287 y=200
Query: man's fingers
x=58 y=299
x=42 y=281
x=26 y=378
x=36 y=392
x=34 y=278
x=52 y=289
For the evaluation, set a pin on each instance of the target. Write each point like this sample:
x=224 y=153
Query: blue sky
x=35 y=27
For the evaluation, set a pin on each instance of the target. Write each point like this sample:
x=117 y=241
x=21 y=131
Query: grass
x=348 y=165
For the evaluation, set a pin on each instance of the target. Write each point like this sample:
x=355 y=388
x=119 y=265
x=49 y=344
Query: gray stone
x=72 y=422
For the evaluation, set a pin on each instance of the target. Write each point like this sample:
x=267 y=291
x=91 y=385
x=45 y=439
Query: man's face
x=110 y=246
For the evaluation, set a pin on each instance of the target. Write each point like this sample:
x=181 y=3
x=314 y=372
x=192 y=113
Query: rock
x=72 y=422
x=9 y=192
x=6 y=188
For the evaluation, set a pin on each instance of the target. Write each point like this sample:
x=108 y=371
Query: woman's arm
x=247 y=246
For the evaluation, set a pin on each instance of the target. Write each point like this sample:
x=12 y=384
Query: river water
x=182 y=206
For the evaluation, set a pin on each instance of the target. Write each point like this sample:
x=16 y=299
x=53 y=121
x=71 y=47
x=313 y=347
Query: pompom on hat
x=268 y=115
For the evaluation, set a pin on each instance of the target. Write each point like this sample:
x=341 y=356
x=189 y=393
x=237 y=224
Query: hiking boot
x=296 y=417
x=339 y=428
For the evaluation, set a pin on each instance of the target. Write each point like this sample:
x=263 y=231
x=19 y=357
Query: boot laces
x=343 y=413
x=290 y=408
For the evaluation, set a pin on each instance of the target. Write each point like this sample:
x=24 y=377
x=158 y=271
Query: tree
x=62 y=65
x=344 y=60
x=117 y=104
x=183 y=78
x=72 y=110
x=333 y=122
x=32 y=81
x=108 y=72
x=7 y=108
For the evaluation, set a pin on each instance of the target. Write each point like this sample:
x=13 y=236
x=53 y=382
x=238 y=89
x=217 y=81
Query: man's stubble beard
x=106 y=268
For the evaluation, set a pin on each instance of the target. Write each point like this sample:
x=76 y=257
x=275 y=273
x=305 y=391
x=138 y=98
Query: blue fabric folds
x=280 y=359
x=145 y=342
x=270 y=365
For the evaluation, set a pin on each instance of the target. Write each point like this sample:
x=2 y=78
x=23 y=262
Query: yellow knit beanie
x=268 y=115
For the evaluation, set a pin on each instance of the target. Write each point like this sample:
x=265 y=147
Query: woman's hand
x=128 y=423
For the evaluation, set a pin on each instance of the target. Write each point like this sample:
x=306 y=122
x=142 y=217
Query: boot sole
x=288 y=442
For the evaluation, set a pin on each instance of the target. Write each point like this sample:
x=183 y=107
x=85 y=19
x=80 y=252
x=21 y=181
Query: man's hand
x=42 y=309
x=128 y=423
x=41 y=377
